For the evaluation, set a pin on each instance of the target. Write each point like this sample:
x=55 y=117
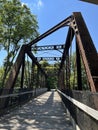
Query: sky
x=51 y=12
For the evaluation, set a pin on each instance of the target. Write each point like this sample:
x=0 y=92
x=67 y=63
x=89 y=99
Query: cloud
x=36 y=5
x=24 y=4
x=39 y=4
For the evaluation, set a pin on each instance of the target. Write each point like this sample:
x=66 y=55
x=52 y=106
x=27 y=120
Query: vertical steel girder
x=15 y=70
x=32 y=75
x=61 y=77
x=13 y=75
x=37 y=78
x=68 y=42
x=22 y=73
x=67 y=71
x=79 y=77
x=87 y=50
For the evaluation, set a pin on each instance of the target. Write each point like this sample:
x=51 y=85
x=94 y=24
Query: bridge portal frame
x=87 y=51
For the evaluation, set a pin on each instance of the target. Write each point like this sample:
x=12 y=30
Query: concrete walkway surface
x=45 y=112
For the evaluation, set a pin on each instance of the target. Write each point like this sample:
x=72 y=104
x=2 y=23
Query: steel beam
x=12 y=76
x=61 y=79
x=32 y=75
x=87 y=50
x=67 y=71
x=30 y=54
x=68 y=42
x=91 y=1
x=48 y=58
x=79 y=77
x=15 y=70
x=65 y=22
x=48 y=47
x=22 y=73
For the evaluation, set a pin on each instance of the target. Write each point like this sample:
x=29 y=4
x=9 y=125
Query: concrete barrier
x=83 y=107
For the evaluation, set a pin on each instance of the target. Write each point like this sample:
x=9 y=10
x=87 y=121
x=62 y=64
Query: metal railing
x=19 y=98
x=84 y=113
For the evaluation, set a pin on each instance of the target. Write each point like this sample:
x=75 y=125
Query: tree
x=73 y=75
x=52 y=72
x=1 y=77
x=17 y=26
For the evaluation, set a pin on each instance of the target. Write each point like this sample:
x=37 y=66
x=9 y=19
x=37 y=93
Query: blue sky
x=51 y=12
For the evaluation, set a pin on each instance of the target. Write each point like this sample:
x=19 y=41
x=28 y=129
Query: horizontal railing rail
x=17 y=99
x=22 y=93
x=88 y=110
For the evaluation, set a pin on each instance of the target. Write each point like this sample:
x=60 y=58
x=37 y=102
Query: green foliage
x=52 y=72
x=44 y=64
x=73 y=76
x=17 y=25
x=1 y=76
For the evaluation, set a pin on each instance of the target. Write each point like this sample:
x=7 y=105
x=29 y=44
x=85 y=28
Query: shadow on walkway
x=42 y=113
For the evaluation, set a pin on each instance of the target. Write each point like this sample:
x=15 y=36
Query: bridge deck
x=43 y=113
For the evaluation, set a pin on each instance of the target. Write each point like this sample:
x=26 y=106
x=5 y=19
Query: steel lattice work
x=85 y=49
x=49 y=58
x=48 y=47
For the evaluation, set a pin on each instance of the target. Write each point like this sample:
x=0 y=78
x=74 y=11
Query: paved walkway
x=42 y=113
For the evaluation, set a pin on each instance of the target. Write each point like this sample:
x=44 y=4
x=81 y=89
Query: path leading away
x=45 y=112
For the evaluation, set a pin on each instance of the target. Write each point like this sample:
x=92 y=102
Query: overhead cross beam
x=48 y=58
x=48 y=47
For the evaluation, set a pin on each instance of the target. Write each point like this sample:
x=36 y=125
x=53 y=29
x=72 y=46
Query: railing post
x=22 y=74
x=37 y=78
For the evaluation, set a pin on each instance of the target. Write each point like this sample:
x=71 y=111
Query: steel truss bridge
x=77 y=101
